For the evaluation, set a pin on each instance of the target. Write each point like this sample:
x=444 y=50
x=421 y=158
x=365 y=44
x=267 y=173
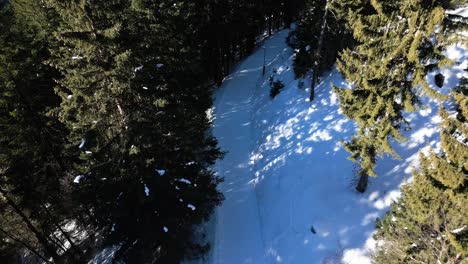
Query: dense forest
x=104 y=136
x=105 y=140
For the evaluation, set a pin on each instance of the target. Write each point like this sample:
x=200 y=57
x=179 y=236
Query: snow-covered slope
x=288 y=184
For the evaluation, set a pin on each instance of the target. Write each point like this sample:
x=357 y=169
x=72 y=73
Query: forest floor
x=288 y=184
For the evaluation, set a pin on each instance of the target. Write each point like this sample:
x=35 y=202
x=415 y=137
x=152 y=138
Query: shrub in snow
x=300 y=84
x=439 y=80
x=276 y=88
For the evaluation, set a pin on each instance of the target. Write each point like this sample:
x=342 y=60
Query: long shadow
x=304 y=180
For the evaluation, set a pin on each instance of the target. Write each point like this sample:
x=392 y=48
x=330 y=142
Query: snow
x=161 y=172
x=147 y=191
x=462 y=11
x=78 y=178
x=159 y=65
x=70 y=96
x=106 y=255
x=145 y=88
x=238 y=223
x=139 y=68
x=458 y=230
x=210 y=114
x=185 y=181
x=77 y=234
x=165 y=229
x=76 y=57
x=83 y=142
x=191 y=206
x=286 y=171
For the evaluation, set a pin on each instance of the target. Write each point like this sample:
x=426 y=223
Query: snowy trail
x=238 y=233
x=288 y=182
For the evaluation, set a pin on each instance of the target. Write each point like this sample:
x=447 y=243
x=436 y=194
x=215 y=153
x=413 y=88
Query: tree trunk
x=317 y=55
x=270 y=24
x=24 y=244
x=55 y=240
x=312 y=85
x=40 y=237
x=362 y=183
x=57 y=224
x=218 y=64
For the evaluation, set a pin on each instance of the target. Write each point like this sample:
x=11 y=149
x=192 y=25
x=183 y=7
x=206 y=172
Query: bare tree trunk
x=362 y=183
x=312 y=85
x=317 y=56
x=24 y=244
x=53 y=218
x=56 y=241
x=40 y=237
x=270 y=24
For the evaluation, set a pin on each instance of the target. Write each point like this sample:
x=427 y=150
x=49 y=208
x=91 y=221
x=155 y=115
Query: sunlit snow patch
x=139 y=68
x=78 y=178
x=185 y=181
x=83 y=142
x=458 y=230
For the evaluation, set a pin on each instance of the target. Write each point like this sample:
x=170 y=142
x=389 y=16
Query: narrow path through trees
x=238 y=235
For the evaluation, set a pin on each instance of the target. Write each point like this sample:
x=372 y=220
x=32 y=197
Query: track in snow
x=238 y=232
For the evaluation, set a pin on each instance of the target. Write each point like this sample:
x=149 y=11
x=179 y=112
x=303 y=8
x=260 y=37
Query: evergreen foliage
x=398 y=43
x=135 y=109
x=428 y=224
x=103 y=118
x=33 y=191
x=231 y=29
x=103 y=121
x=304 y=39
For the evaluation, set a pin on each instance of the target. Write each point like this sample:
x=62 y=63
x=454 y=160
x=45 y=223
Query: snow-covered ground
x=239 y=235
x=288 y=185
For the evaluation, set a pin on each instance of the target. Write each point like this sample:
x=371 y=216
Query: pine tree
x=229 y=29
x=134 y=99
x=429 y=223
x=32 y=166
x=319 y=37
x=398 y=43
x=122 y=146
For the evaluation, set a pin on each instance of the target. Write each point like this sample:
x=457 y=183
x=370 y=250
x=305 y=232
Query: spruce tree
x=429 y=222
x=320 y=35
x=134 y=99
x=122 y=145
x=32 y=168
x=398 y=43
